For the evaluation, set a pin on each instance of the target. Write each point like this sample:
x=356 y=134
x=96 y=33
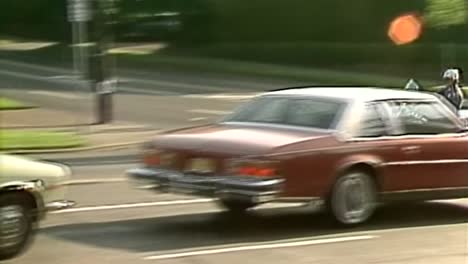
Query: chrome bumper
x=253 y=189
x=59 y=205
x=44 y=209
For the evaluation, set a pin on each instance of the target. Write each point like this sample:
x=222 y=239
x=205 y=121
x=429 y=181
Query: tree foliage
x=445 y=13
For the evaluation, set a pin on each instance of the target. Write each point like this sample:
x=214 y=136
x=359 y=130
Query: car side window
x=372 y=123
x=422 y=118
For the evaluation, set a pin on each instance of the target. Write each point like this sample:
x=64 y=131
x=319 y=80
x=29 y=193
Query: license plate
x=201 y=165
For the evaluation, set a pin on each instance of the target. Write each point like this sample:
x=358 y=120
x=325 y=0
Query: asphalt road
x=163 y=99
x=114 y=223
x=25 y=75
x=161 y=112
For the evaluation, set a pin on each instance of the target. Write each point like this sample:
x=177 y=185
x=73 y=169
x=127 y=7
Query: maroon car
x=351 y=148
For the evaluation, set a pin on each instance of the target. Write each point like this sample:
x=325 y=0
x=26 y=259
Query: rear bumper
x=252 y=189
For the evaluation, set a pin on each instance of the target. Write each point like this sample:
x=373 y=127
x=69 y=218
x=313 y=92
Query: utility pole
x=101 y=66
x=92 y=31
x=79 y=15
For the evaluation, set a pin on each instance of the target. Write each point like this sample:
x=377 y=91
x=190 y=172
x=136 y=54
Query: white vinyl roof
x=355 y=93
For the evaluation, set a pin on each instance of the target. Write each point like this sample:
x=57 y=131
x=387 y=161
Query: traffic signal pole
x=100 y=66
x=91 y=57
x=79 y=15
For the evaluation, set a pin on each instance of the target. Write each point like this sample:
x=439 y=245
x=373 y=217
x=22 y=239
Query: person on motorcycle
x=452 y=91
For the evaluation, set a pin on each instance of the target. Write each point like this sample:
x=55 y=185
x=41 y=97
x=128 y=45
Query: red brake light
x=151 y=159
x=154 y=157
x=151 y=156
x=254 y=168
x=247 y=170
x=266 y=172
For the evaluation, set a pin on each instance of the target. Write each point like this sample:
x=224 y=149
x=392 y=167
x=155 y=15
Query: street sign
x=108 y=86
x=79 y=10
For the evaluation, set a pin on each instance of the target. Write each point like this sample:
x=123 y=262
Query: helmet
x=451 y=74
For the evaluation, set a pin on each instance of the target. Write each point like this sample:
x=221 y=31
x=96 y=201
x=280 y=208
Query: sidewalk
x=116 y=135
x=40 y=118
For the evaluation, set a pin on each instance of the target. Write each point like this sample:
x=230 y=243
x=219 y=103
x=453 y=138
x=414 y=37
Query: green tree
x=445 y=13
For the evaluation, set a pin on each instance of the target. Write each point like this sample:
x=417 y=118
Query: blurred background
x=87 y=82
x=323 y=41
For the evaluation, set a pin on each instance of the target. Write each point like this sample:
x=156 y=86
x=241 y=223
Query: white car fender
x=33 y=188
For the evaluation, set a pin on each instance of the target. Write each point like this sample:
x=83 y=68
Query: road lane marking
x=105 y=163
x=94 y=181
x=195 y=119
x=56 y=94
x=26 y=46
x=35 y=66
x=21 y=75
x=209 y=111
x=128 y=89
x=162 y=203
x=36 y=77
x=264 y=246
x=138 y=50
x=68 y=77
x=131 y=205
x=174 y=84
x=453 y=200
x=222 y=96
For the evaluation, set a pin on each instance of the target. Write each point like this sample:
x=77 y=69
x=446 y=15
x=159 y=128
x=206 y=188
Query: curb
x=18 y=108
x=84 y=130
x=94 y=181
x=81 y=149
x=111 y=130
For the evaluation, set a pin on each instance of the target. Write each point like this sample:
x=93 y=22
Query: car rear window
x=307 y=112
x=262 y=110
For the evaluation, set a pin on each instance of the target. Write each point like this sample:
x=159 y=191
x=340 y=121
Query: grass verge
x=9 y=104
x=28 y=140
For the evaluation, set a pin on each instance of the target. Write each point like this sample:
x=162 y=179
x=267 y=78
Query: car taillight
x=151 y=158
x=151 y=155
x=258 y=168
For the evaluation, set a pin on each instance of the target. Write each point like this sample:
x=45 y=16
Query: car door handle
x=411 y=149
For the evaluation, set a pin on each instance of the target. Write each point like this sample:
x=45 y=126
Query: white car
x=28 y=189
x=464 y=113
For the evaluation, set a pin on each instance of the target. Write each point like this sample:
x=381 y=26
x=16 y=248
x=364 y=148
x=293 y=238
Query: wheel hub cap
x=12 y=225
x=356 y=199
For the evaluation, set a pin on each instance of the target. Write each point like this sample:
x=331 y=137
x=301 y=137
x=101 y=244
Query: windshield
x=301 y=112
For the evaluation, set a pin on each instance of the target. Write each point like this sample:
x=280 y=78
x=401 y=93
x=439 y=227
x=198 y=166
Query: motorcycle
x=414 y=85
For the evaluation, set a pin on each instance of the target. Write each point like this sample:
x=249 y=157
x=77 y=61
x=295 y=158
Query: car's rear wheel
x=16 y=224
x=354 y=198
x=235 y=206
